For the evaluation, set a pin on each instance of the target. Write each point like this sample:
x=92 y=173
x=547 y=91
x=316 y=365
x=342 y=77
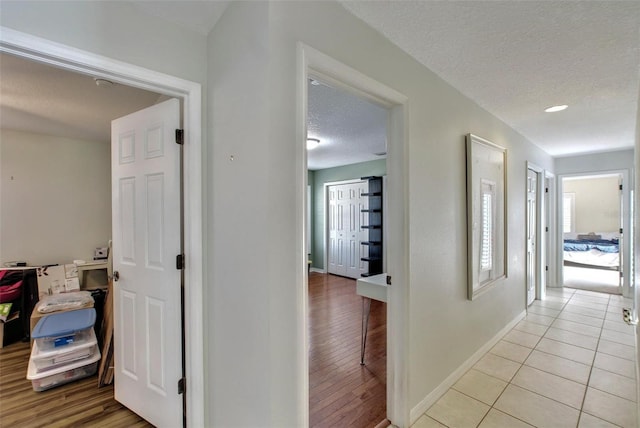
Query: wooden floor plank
x=342 y=393
x=79 y=403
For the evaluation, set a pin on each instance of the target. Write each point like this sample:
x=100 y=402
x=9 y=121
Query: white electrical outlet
x=627 y=316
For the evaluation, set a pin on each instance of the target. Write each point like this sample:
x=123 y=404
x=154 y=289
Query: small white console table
x=372 y=287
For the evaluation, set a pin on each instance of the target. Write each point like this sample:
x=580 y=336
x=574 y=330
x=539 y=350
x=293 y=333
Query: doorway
x=350 y=147
x=72 y=59
x=318 y=66
x=592 y=232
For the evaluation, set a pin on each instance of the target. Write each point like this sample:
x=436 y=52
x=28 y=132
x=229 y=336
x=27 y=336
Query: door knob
x=116 y=275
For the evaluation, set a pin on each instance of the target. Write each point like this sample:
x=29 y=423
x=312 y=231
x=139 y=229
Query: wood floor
x=342 y=393
x=79 y=403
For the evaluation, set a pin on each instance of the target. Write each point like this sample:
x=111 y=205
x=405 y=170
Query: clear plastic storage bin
x=63 y=374
x=56 y=357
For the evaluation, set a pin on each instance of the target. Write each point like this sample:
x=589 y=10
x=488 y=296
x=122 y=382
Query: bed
x=592 y=251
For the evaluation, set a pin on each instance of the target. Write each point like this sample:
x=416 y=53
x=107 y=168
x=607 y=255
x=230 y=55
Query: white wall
x=115 y=29
x=597 y=203
x=243 y=237
x=55 y=198
x=252 y=48
x=596 y=162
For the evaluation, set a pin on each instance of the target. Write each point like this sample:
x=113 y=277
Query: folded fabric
x=62 y=301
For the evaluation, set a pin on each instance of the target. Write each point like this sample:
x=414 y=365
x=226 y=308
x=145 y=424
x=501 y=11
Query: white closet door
x=337 y=234
x=345 y=248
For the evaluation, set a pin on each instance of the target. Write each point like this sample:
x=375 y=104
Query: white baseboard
x=440 y=390
x=318 y=270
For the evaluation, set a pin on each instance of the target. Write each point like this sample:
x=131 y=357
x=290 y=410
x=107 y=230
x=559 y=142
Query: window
x=488 y=220
x=568 y=212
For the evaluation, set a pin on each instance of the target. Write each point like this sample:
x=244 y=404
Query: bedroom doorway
x=593 y=226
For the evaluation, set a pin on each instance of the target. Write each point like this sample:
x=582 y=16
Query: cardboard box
x=57 y=279
x=51 y=280
x=11 y=330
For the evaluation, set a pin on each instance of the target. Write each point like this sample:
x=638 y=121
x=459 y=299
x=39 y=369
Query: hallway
x=569 y=363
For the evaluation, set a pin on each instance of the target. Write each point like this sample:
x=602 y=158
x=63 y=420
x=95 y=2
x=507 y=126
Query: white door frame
x=540 y=286
x=312 y=62
x=550 y=230
x=73 y=59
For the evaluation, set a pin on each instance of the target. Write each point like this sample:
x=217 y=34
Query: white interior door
x=355 y=234
x=145 y=163
x=345 y=234
x=337 y=233
x=532 y=221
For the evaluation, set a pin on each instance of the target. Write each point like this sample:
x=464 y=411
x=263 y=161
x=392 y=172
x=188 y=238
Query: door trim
x=540 y=286
x=549 y=236
x=311 y=62
x=73 y=59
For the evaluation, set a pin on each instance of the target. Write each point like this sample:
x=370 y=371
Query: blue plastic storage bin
x=61 y=329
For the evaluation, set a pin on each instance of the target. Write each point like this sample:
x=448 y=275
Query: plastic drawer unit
x=59 y=376
x=64 y=355
x=63 y=329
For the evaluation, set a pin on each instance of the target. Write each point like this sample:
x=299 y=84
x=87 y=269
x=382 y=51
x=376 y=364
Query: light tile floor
x=569 y=363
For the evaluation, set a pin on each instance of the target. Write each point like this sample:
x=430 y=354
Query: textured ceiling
x=515 y=58
x=350 y=129
x=39 y=98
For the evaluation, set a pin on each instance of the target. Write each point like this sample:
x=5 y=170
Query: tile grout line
x=595 y=351
x=516 y=373
x=595 y=354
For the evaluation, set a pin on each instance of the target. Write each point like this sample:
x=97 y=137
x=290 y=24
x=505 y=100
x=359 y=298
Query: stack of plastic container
x=65 y=349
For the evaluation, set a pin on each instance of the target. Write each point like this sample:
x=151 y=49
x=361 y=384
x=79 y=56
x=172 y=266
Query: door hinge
x=621 y=275
x=180 y=136
x=546 y=268
x=182 y=384
x=620 y=187
x=180 y=261
x=546 y=190
x=620 y=230
x=546 y=228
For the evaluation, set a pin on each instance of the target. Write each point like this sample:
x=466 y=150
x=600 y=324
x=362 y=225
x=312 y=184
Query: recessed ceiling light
x=312 y=143
x=554 y=109
x=314 y=82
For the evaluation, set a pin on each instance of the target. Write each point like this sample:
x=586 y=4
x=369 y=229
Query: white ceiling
x=349 y=128
x=514 y=58
x=39 y=98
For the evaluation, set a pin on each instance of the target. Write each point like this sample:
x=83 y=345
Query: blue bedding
x=603 y=245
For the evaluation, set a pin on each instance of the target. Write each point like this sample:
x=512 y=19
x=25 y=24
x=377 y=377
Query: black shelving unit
x=374 y=260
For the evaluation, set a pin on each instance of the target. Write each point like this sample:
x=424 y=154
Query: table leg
x=366 y=308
